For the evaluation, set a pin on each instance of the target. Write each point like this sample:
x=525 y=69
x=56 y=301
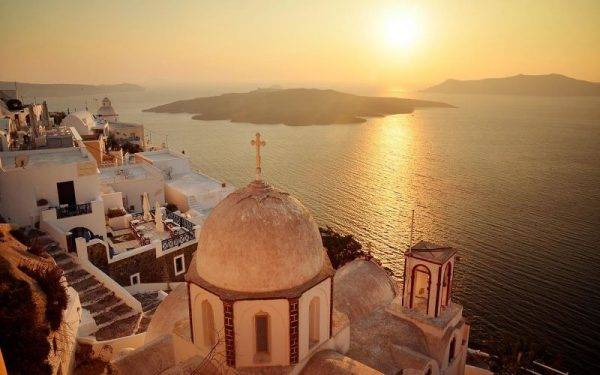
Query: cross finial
x=258 y=143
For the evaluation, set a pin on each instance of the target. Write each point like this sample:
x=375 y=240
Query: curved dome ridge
x=259 y=239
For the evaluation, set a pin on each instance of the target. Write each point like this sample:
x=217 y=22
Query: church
x=261 y=297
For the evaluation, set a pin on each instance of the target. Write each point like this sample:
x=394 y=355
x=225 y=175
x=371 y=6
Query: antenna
x=412 y=229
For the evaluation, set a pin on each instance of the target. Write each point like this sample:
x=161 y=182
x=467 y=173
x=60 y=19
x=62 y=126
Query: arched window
x=421 y=285
x=208 y=324
x=261 y=326
x=451 y=350
x=314 y=315
x=446 y=286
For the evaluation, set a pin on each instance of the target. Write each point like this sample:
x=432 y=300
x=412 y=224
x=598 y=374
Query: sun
x=403 y=31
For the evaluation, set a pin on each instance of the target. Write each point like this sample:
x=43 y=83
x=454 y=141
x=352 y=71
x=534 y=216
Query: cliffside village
x=169 y=271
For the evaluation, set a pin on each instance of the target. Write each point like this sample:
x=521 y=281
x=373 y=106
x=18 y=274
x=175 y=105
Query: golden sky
x=387 y=44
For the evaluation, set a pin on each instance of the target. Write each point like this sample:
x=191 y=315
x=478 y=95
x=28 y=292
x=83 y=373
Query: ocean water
x=512 y=182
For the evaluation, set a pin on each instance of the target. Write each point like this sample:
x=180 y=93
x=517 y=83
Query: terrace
x=170 y=228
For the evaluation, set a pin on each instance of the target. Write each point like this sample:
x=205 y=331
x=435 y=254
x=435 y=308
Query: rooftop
x=128 y=172
x=45 y=156
x=431 y=252
x=194 y=183
x=124 y=125
x=161 y=155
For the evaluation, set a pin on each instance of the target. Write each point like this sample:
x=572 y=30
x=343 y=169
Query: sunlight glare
x=402 y=31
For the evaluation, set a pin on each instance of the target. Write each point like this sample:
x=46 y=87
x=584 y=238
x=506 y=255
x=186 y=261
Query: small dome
x=258 y=239
x=106 y=109
x=82 y=121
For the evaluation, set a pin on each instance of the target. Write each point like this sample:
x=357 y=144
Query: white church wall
x=245 y=336
x=197 y=296
x=323 y=292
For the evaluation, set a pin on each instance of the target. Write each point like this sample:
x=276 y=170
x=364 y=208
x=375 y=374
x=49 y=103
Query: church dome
x=106 y=109
x=258 y=239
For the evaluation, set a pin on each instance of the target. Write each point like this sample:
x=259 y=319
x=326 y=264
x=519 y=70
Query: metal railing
x=181 y=221
x=177 y=240
x=73 y=210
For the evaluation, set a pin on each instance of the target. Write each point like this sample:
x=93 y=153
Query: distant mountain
x=293 y=107
x=65 y=89
x=535 y=85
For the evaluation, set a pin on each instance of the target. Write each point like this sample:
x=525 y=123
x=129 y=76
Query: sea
x=513 y=183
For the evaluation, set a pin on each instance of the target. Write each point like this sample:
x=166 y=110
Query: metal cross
x=258 y=143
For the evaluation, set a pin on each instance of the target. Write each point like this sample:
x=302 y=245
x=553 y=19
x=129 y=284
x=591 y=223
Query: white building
x=191 y=191
x=8 y=130
x=127 y=132
x=126 y=184
x=64 y=181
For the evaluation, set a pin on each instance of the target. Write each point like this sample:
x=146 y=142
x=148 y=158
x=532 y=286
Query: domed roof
x=258 y=239
x=106 y=109
x=82 y=121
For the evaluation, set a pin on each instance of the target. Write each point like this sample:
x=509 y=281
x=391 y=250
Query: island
x=293 y=107
x=534 y=85
x=43 y=90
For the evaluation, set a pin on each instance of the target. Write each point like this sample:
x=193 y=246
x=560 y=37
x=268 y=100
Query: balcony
x=73 y=210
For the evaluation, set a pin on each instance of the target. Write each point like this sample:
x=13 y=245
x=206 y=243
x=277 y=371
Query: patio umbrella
x=146 y=207
x=160 y=226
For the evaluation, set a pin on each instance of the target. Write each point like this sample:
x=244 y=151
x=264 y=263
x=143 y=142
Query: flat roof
x=194 y=183
x=45 y=156
x=128 y=172
x=161 y=155
x=124 y=125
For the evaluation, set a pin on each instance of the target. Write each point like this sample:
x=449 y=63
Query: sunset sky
x=389 y=44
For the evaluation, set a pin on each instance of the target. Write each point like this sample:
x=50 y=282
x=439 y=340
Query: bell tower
x=428 y=274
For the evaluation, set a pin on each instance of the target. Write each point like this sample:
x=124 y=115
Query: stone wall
x=150 y=268
x=97 y=256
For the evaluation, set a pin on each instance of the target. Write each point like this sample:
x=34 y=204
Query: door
x=66 y=193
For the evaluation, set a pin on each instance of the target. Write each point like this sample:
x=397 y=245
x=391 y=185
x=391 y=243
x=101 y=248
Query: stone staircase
x=150 y=302
x=112 y=316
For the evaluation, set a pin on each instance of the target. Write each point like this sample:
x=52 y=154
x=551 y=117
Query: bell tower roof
x=431 y=252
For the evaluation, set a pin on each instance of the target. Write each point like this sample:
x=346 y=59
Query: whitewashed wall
x=323 y=292
x=21 y=188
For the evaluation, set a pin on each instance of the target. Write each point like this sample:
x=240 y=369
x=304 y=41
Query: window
x=179 y=263
x=261 y=324
x=134 y=279
x=313 y=322
x=208 y=324
x=451 y=350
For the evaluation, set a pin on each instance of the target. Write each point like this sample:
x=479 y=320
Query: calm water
x=512 y=183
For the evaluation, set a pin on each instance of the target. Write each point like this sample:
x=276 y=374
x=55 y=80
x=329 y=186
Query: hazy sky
x=388 y=44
